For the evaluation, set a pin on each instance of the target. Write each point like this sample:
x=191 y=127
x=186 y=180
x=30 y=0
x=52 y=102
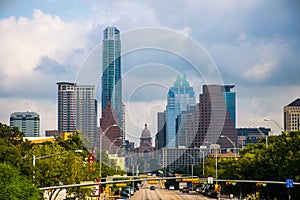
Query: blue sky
x=255 y=45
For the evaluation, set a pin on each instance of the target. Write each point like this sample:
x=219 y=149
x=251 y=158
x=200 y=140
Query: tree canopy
x=15 y=186
x=55 y=163
x=277 y=162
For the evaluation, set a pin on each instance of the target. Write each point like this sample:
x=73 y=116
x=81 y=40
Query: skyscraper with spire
x=111 y=92
x=111 y=68
x=181 y=97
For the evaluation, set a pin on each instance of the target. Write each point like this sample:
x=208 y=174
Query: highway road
x=161 y=194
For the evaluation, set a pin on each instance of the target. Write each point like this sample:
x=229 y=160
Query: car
x=171 y=187
x=122 y=198
x=131 y=191
x=124 y=194
x=152 y=187
x=205 y=189
x=185 y=190
x=212 y=194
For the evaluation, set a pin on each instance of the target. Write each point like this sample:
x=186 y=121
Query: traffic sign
x=91 y=159
x=289 y=183
x=210 y=180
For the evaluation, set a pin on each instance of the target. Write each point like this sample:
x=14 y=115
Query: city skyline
x=44 y=43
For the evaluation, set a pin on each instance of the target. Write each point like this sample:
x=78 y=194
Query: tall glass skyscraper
x=229 y=98
x=181 y=97
x=111 y=68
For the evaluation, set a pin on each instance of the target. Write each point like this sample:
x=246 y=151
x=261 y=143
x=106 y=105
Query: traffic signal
x=217 y=188
x=91 y=159
x=261 y=184
x=230 y=183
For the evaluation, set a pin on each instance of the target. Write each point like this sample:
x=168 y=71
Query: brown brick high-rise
x=212 y=118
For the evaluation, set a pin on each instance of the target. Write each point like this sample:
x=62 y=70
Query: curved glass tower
x=111 y=68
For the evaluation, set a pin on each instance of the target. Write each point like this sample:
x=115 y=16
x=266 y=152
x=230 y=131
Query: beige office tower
x=292 y=116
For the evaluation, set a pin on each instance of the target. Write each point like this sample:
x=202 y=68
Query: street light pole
x=137 y=169
x=262 y=134
x=117 y=153
x=268 y=120
x=202 y=161
x=215 y=147
x=110 y=148
x=233 y=143
x=192 y=163
x=126 y=156
x=132 y=165
x=34 y=158
x=104 y=132
x=33 y=164
x=216 y=163
x=110 y=145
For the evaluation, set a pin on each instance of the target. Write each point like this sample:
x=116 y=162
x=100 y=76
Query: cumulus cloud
x=254 y=49
x=126 y=14
x=50 y=66
x=26 y=40
x=264 y=61
x=35 y=53
x=259 y=72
